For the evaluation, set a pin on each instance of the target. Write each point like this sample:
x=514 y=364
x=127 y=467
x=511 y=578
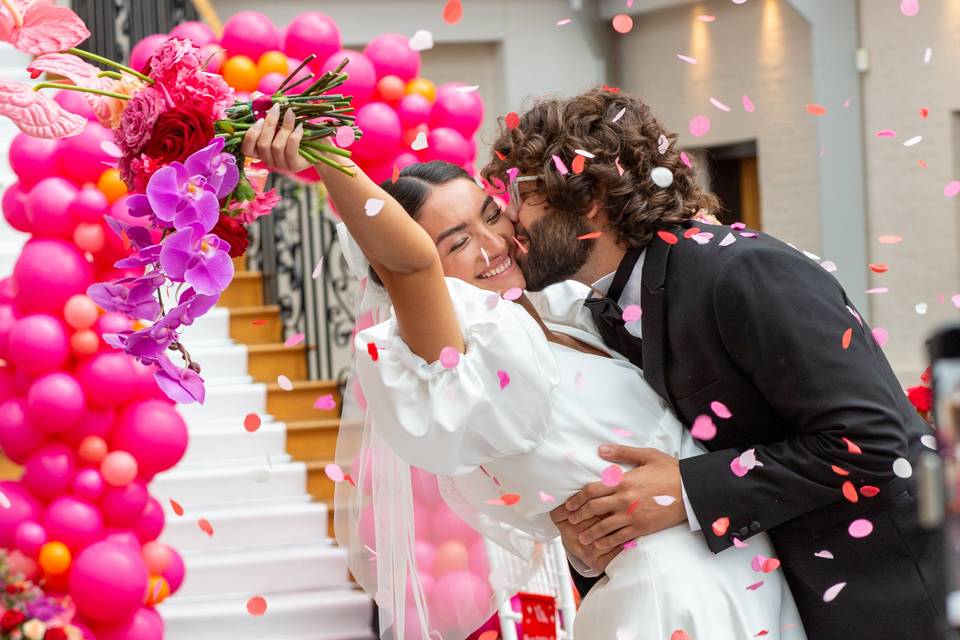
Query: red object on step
x=539 y=617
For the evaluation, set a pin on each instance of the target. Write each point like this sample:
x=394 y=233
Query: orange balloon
x=390 y=88
x=112 y=185
x=272 y=62
x=55 y=558
x=240 y=72
x=158 y=590
x=85 y=342
x=423 y=87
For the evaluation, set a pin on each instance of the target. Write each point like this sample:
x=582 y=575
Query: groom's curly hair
x=635 y=206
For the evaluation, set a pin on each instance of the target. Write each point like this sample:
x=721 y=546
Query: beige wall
x=761 y=49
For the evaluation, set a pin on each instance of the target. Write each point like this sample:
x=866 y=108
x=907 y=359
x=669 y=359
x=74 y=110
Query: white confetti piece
x=833 y=591
x=661 y=176
x=578 y=381
x=902 y=468
x=688 y=59
x=912 y=141
x=317 y=270
x=921 y=308
x=284 y=382
x=704 y=237
x=5 y=501
x=829 y=265
x=564 y=22
x=373 y=206
x=546 y=497
x=470 y=88
x=729 y=240
x=927 y=55
x=719 y=105
x=664 y=501
x=929 y=441
x=584 y=153
x=662 y=144
x=619 y=114
x=421 y=40
x=823 y=553
x=420 y=142
x=486 y=258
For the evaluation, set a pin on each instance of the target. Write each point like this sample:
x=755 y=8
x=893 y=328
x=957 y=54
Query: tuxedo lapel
x=653 y=304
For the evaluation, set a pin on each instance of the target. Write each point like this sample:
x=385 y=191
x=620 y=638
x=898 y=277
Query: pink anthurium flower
x=40 y=26
x=80 y=73
x=36 y=114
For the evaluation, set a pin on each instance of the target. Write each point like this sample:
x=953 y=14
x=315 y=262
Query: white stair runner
x=268 y=538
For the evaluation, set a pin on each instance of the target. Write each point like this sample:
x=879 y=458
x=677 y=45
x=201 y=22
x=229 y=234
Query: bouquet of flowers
x=27 y=613
x=178 y=133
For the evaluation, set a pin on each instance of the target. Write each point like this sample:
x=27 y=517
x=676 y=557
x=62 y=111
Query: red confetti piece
x=847 y=338
x=852 y=447
x=256 y=606
x=922 y=164
x=512 y=120
x=251 y=422
x=489 y=635
x=720 y=526
x=924 y=112
x=692 y=231
x=839 y=471
x=667 y=237
x=500 y=155
x=878 y=267
x=372 y=350
x=205 y=526
x=258 y=322
x=452 y=11
x=506 y=500
x=869 y=491
x=633 y=507
x=816 y=109
x=349 y=479
x=395 y=174
x=850 y=492
x=762 y=632
x=578 y=164
x=177 y=509
x=770 y=565
x=593 y=235
x=680 y=634
x=610 y=89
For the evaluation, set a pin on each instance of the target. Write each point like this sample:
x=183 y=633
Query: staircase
x=264 y=493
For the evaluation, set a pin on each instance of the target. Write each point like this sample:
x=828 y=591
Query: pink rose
x=136 y=123
x=171 y=58
x=207 y=92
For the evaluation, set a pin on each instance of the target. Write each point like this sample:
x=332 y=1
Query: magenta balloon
x=122 y=506
x=55 y=402
x=15 y=208
x=312 y=32
x=363 y=77
x=39 y=344
x=144 y=49
x=145 y=624
x=48 y=206
x=47 y=273
x=49 y=471
x=378 y=170
x=294 y=88
x=251 y=34
x=74 y=522
x=413 y=110
x=425 y=553
x=175 y=572
x=447 y=145
x=126 y=537
x=95 y=422
x=108 y=582
x=406 y=159
x=270 y=82
x=23 y=507
x=82 y=157
x=214 y=56
x=145 y=385
x=107 y=379
x=382 y=133
x=88 y=485
x=457 y=109
x=149 y=525
x=89 y=205
x=111 y=323
x=29 y=537
x=18 y=438
x=8 y=318
x=7 y=386
x=199 y=33
x=33 y=159
x=391 y=54
x=74 y=102
x=154 y=433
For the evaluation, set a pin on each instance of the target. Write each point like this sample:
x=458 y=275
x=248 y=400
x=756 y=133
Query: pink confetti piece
x=955 y=299
x=878 y=290
x=449 y=357
x=630 y=544
x=512 y=294
x=886 y=133
x=623 y=433
x=345 y=136
x=373 y=206
x=823 y=553
x=729 y=240
x=334 y=472
x=492 y=301
x=622 y=23
x=578 y=381
x=699 y=126
x=881 y=336
x=719 y=105
x=616 y=161
x=546 y=497
x=703 y=428
x=685 y=159
x=293 y=340
x=504 y=379
x=688 y=59
x=889 y=239
x=564 y=22
x=833 y=591
x=284 y=382
x=704 y=237
x=325 y=402
x=747 y=103
x=612 y=476
x=317 y=270
x=740 y=544
x=561 y=167
x=860 y=528
x=706 y=18
x=737 y=467
x=952 y=189
x=829 y=265
x=748 y=234
x=664 y=501
x=631 y=313
x=909 y=8
x=755 y=586
x=720 y=410
x=738 y=226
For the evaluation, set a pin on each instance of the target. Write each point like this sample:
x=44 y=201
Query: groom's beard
x=553 y=251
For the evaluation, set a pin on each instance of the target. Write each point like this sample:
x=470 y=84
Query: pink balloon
x=33 y=159
x=426 y=491
x=405 y=159
x=74 y=522
x=15 y=208
x=18 y=437
x=49 y=471
x=150 y=524
x=29 y=537
x=74 y=102
x=122 y=506
x=108 y=582
x=8 y=318
x=145 y=385
x=48 y=206
x=479 y=562
x=126 y=537
x=38 y=344
x=23 y=507
x=381 y=132
x=391 y=54
x=367 y=528
x=142 y=51
x=175 y=572
x=460 y=596
x=460 y=110
x=156 y=556
x=214 y=55
x=249 y=33
x=312 y=32
x=306 y=72
x=199 y=33
x=447 y=145
x=270 y=82
x=6 y=384
x=363 y=77
x=112 y=323
x=119 y=468
x=89 y=485
x=154 y=433
x=89 y=237
x=47 y=273
x=451 y=556
x=95 y=422
x=107 y=379
x=414 y=110
x=80 y=312
x=426 y=555
x=89 y=205
x=55 y=402
x=145 y=624
x=93 y=449
x=82 y=158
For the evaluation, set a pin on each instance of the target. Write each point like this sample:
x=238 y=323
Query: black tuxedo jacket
x=768 y=332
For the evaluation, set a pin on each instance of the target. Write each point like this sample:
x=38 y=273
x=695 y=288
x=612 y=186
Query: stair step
x=313 y=439
x=227 y=399
x=246 y=290
x=218 y=443
x=297 y=521
x=267 y=361
x=297 y=404
x=342 y=614
x=318 y=484
x=256 y=325
x=200 y=487
x=213 y=326
x=219 y=361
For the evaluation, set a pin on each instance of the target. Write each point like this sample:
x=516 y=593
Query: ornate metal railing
x=115 y=24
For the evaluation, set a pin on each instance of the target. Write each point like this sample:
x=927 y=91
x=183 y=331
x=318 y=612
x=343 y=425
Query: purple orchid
x=139 y=236
x=133 y=297
x=218 y=168
x=199 y=260
x=191 y=306
x=180 y=384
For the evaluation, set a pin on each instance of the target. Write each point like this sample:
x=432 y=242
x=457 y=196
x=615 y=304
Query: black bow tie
x=608 y=315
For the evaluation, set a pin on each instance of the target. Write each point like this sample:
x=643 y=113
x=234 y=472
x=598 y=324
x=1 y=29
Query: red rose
x=230 y=230
x=921 y=398
x=11 y=620
x=55 y=634
x=178 y=133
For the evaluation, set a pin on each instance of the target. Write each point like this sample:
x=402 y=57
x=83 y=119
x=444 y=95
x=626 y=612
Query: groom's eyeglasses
x=514 y=192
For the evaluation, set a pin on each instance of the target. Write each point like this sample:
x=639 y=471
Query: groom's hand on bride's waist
x=590 y=556
x=647 y=499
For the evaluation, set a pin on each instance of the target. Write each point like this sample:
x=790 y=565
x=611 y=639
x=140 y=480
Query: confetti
x=860 y=528
x=685 y=159
x=680 y=634
x=619 y=115
x=205 y=526
x=889 y=239
x=578 y=164
x=421 y=40
x=886 y=133
x=504 y=379
x=664 y=501
x=325 y=403
x=667 y=237
x=762 y=563
x=878 y=267
x=740 y=544
x=720 y=410
x=317 y=270
x=847 y=337
x=284 y=382
x=929 y=441
x=578 y=381
x=584 y=153
x=850 y=492
x=823 y=553
x=699 y=126
x=622 y=23
x=395 y=174
x=630 y=544
x=633 y=507
x=661 y=176
x=829 y=265
x=869 y=491
x=688 y=59
x=177 y=508
x=662 y=144
x=616 y=161
x=719 y=105
x=258 y=322
x=816 y=109
x=952 y=189
x=293 y=340
x=512 y=294
x=623 y=432
x=564 y=22
x=452 y=11
x=921 y=308
x=5 y=501
x=506 y=500
x=729 y=240
x=852 y=447
x=546 y=497
x=373 y=206
x=878 y=290
x=612 y=476
x=345 y=136
x=632 y=313
x=703 y=428
x=745 y=462
x=706 y=18
x=902 y=468
x=251 y=422
x=738 y=226
x=449 y=357
x=593 y=235
x=720 y=526
x=468 y=88
x=560 y=166
x=702 y=238
x=755 y=586
x=256 y=606
x=334 y=472
x=420 y=142
x=372 y=351
x=839 y=470
x=912 y=141
x=909 y=8
x=927 y=54
x=512 y=120
x=747 y=103
x=881 y=336
x=833 y=591
x=492 y=301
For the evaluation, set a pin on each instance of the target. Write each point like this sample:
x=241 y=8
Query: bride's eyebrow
x=486 y=204
x=451 y=231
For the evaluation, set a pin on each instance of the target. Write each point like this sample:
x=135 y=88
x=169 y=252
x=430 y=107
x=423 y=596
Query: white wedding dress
x=533 y=413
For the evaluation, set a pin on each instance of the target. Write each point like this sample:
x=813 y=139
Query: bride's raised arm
x=400 y=250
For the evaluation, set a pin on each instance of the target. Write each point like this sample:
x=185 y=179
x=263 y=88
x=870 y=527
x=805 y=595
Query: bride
x=504 y=394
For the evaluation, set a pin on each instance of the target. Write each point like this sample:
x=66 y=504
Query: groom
x=755 y=346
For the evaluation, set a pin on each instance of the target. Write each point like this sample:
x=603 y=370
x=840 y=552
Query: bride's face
x=474 y=239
